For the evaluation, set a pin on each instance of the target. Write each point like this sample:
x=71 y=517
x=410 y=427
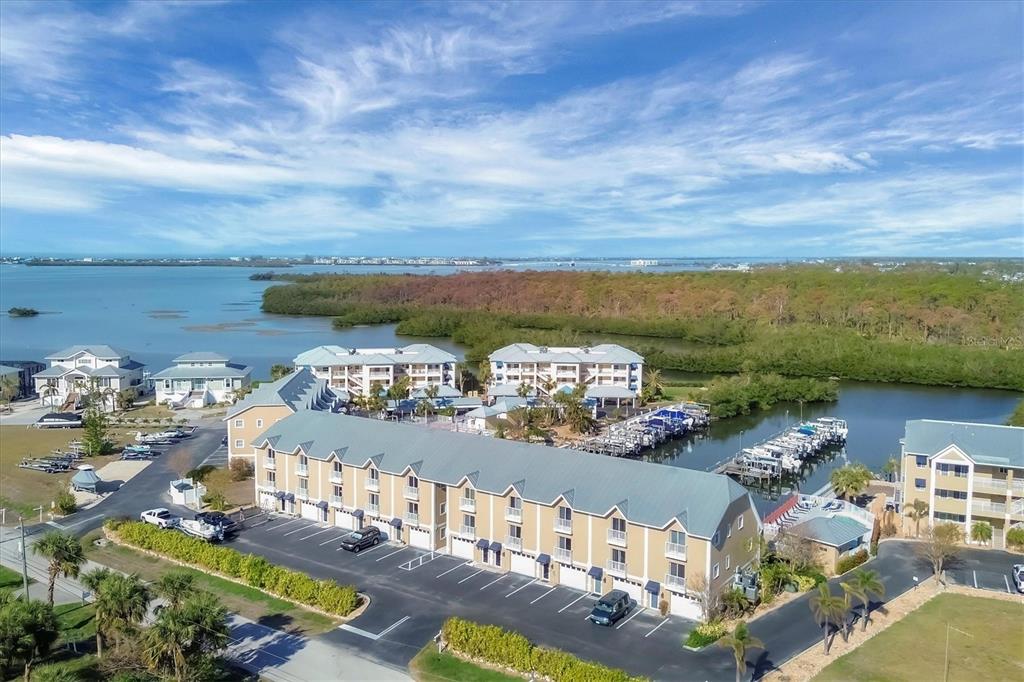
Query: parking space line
x=503 y=575
x=319 y=532
x=521 y=588
x=392 y=627
x=392 y=554
x=373 y=548
x=1007 y=585
x=298 y=530
x=470 y=576
x=327 y=542
x=571 y=603
x=635 y=614
x=287 y=523
x=452 y=569
x=544 y=595
x=656 y=627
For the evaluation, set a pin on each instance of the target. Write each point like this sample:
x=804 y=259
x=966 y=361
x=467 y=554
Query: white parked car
x=1018 y=577
x=160 y=517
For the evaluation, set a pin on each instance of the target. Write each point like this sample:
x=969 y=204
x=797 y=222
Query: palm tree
x=65 y=554
x=981 y=531
x=654 y=384
x=485 y=372
x=577 y=415
x=739 y=641
x=9 y=387
x=548 y=386
x=175 y=586
x=917 y=510
x=828 y=609
x=49 y=393
x=865 y=584
x=400 y=389
x=850 y=480
x=121 y=603
x=186 y=635
x=523 y=390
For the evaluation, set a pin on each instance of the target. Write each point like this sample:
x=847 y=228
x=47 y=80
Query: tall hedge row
x=254 y=571
x=512 y=650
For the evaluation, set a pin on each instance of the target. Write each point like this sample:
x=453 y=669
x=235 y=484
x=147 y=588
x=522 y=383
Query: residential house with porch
x=200 y=379
x=603 y=367
x=965 y=473
x=355 y=370
x=78 y=370
x=564 y=517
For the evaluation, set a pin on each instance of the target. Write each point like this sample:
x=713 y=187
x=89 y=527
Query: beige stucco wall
x=249 y=430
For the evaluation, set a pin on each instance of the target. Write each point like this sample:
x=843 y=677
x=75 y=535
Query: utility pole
x=24 y=557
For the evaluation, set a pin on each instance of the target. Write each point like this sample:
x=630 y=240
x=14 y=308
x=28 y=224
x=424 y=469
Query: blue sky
x=560 y=129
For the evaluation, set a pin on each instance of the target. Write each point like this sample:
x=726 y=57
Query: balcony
x=563 y=555
x=616 y=568
x=467 y=532
x=373 y=485
x=302 y=470
x=303 y=494
x=412 y=492
x=563 y=526
x=269 y=487
x=514 y=514
x=988 y=508
x=616 y=537
x=374 y=509
x=412 y=519
x=987 y=484
x=270 y=463
x=513 y=543
x=336 y=500
x=336 y=477
x=675 y=582
x=675 y=551
x=467 y=504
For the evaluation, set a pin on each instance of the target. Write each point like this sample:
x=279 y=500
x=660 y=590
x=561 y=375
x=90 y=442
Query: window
x=336 y=491
x=259 y=423
x=414 y=482
x=239 y=443
x=715 y=538
x=619 y=556
x=374 y=500
x=618 y=524
x=303 y=460
x=442 y=508
x=271 y=478
x=239 y=423
x=952 y=494
x=441 y=534
x=677 y=537
x=413 y=508
x=677 y=570
x=728 y=531
x=515 y=503
x=304 y=486
x=469 y=494
x=565 y=514
x=565 y=543
x=337 y=468
x=515 y=531
x=374 y=475
x=921 y=460
x=739 y=523
x=944 y=516
x=952 y=470
x=469 y=520
x=728 y=561
x=715 y=572
x=750 y=544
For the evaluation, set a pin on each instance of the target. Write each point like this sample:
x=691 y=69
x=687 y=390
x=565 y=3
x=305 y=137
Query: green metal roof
x=984 y=443
x=834 y=531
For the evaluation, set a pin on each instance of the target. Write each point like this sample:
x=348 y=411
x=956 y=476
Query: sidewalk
x=271 y=654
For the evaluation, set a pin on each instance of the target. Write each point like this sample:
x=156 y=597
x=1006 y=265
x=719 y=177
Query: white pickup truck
x=160 y=517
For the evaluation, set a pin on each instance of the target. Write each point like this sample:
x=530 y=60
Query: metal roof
x=7 y=369
x=646 y=493
x=299 y=390
x=835 y=531
x=601 y=353
x=100 y=350
x=508 y=391
x=610 y=392
x=202 y=356
x=104 y=371
x=215 y=372
x=984 y=443
x=443 y=391
x=415 y=353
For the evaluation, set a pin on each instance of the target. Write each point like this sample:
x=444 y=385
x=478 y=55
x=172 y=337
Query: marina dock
x=648 y=430
x=784 y=453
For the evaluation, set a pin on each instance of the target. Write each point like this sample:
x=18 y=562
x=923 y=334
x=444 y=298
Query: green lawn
x=11 y=579
x=430 y=666
x=77 y=622
x=240 y=599
x=914 y=648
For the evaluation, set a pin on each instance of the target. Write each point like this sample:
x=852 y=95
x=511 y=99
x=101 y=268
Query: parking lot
x=412 y=591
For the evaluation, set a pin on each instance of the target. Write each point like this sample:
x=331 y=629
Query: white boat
x=200 y=529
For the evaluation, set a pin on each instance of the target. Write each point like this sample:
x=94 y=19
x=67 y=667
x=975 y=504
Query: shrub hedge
x=851 y=561
x=704 y=634
x=512 y=650
x=254 y=571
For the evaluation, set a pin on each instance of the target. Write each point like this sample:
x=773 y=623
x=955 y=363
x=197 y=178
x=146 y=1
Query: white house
x=549 y=370
x=355 y=370
x=200 y=379
x=78 y=370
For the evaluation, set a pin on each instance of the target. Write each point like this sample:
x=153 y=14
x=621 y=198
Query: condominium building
x=79 y=370
x=549 y=369
x=274 y=401
x=355 y=370
x=569 y=518
x=965 y=473
x=200 y=379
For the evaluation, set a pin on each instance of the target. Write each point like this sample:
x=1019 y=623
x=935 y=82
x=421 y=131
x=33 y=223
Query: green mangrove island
x=929 y=326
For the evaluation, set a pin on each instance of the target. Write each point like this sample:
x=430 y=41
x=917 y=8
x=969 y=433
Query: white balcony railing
x=269 y=487
x=675 y=550
x=563 y=526
x=373 y=484
x=467 y=504
x=335 y=500
x=514 y=514
x=412 y=519
x=467 y=532
x=617 y=537
x=990 y=485
x=988 y=507
x=616 y=567
x=513 y=543
x=270 y=463
x=302 y=470
x=412 y=492
x=373 y=509
x=563 y=555
x=303 y=494
x=676 y=582
x=336 y=477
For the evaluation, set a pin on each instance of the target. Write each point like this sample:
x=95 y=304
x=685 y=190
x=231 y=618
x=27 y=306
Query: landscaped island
x=22 y=312
x=926 y=327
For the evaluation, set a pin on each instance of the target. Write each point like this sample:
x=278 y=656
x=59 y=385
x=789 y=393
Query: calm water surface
x=157 y=313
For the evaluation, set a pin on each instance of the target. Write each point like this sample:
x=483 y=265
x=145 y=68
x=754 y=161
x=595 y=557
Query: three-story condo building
x=79 y=370
x=549 y=369
x=582 y=520
x=273 y=401
x=966 y=473
x=355 y=370
x=200 y=379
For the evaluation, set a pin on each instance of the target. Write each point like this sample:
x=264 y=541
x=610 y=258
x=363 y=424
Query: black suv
x=225 y=523
x=361 y=539
x=610 y=608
